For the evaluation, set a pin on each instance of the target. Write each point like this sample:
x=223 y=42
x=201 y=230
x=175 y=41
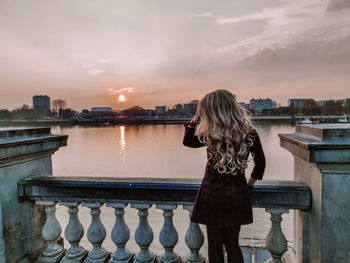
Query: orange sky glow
x=155 y=52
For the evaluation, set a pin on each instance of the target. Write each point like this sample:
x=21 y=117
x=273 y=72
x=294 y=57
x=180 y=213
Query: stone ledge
x=277 y=194
x=18 y=144
x=319 y=143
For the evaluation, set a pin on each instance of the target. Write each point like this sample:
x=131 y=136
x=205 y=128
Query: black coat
x=224 y=199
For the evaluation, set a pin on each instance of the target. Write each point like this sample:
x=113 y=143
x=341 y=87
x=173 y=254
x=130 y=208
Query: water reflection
x=122 y=141
x=154 y=151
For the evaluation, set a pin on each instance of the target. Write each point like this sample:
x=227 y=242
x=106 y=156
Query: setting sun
x=121 y=98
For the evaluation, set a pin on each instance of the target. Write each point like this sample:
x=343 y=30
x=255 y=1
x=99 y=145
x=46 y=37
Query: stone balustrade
x=321 y=163
x=141 y=194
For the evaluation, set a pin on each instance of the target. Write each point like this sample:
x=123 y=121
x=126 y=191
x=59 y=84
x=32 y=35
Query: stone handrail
x=141 y=193
x=277 y=194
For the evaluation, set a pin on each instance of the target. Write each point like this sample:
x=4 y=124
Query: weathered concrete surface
x=277 y=194
x=23 y=153
x=322 y=160
x=2 y=243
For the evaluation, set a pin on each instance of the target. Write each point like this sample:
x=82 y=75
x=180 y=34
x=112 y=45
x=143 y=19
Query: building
x=346 y=102
x=41 y=104
x=244 y=105
x=258 y=105
x=160 y=110
x=321 y=103
x=190 y=109
x=101 y=109
x=149 y=113
x=172 y=113
x=274 y=104
x=298 y=103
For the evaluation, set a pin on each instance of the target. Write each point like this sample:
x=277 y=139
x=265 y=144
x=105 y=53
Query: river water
x=157 y=151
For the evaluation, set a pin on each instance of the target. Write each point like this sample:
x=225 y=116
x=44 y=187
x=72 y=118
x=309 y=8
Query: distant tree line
x=24 y=112
x=133 y=112
x=59 y=110
x=28 y=113
x=330 y=107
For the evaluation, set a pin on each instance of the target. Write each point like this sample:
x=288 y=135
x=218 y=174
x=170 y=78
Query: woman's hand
x=251 y=182
x=196 y=117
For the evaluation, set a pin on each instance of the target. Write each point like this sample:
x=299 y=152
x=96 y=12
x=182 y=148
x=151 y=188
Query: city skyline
x=254 y=103
x=88 y=52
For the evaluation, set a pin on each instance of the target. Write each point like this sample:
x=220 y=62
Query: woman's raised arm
x=259 y=158
x=190 y=139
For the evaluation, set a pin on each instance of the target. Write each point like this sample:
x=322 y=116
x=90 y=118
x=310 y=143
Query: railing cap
x=13 y=136
x=319 y=143
x=15 y=142
x=283 y=194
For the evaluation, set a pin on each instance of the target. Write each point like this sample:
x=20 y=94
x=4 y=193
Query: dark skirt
x=222 y=200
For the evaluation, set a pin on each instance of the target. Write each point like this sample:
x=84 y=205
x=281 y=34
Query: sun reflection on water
x=122 y=140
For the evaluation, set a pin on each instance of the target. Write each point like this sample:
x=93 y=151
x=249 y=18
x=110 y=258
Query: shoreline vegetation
x=331 y=111
x=138 y=121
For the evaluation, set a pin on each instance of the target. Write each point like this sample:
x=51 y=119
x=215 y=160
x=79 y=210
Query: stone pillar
x=120 y=235
x=275 y=241
x=96 y=234
x=194 y=240
x=143 y=235
x=23 y=153
x=168 y=236
x=322 y=160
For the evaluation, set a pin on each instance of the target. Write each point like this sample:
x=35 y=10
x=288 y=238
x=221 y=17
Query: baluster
x=194 y=239
x=96 y=234
x=143 y=235
x=275 y=241
x=168 y=236
x=51 y=232
x=120 y=235
x=74 y=232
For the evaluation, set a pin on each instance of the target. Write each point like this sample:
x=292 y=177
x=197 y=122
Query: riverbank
x=118 y=121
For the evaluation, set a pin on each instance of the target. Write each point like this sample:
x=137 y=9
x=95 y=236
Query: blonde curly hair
x=226 y=129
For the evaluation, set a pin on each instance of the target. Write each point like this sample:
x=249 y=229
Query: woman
x=223 y=200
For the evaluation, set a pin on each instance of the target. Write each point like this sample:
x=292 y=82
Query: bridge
x=31 y=232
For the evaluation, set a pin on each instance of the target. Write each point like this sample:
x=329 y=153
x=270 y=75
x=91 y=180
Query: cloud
x=95 y=72
x=335 y=5
x=104 y=60
x=284 y=26
x=265 y=14
x=128 y=89
x=204 y=14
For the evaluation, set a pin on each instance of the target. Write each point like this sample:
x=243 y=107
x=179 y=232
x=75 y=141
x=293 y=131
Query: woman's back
x=223 y=201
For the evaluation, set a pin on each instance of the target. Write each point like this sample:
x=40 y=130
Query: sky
x=163 y=52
